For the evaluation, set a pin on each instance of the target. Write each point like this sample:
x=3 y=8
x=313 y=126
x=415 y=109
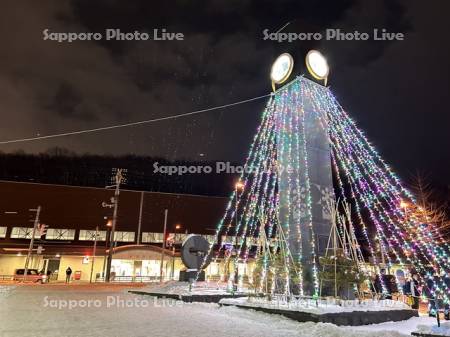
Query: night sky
x=397 y=91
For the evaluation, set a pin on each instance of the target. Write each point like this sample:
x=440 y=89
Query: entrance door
x=53 y=268
x=137 y=268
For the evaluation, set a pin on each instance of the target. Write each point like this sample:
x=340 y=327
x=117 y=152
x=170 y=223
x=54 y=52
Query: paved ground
x=108 y=310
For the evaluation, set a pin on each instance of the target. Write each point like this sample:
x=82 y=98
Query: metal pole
x=173 y=263
x=163 y=246
x=335 y=257
x=30 y=248
x=114 y=221
x=141 y=204
x=105 y=257
x=93 y=254
x=236 y=272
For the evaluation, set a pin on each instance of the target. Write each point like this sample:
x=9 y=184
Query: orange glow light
x=239 y=186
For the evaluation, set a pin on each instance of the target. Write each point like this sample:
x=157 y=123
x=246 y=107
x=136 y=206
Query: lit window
x=24 y=233
x=150 y=237
x=60 y=234
x=210 y=238
x=3 y=232
x=252 y=241
x=228 y=239
x=179 y=237
x=214 y=268
x=89 y=235
x=124 y=236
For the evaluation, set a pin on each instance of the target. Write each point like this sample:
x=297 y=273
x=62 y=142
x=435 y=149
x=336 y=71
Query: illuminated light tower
x=304 y=159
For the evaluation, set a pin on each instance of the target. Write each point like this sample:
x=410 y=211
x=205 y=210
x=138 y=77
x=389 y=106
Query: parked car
x=33 y=275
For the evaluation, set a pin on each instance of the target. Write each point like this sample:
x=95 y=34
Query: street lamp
x=403 y=204
x=177 y=228
x=239 y=186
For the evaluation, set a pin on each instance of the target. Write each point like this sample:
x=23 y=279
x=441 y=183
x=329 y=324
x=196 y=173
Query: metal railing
x=6 y=277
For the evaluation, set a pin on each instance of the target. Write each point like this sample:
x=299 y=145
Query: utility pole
x=30 y=248
x=93 y=253
x=163 y=246
x=115 y=204
x=141 y=204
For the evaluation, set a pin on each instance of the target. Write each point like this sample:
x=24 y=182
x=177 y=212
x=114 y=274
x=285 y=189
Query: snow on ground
x=324 y=306
x=82 y=311
x=405 y=327
x=443 y=330
x=182 y=288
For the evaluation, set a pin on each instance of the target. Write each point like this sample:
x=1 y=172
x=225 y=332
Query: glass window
x=252 y=241
x=228 y=239
x=214 y=268
x=29 y=272
x=179 y=237
x=89 y=235
x=3 y=232
x=151 y=237
x=322 y=243
x=60 y=234
x=210 y=238
x=24 y=233
x=124 y=236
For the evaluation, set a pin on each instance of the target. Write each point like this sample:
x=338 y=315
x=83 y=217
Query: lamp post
x=239 y=186
x=94 y=253
x=177 y=227
x=163 y=246
x=404 y=205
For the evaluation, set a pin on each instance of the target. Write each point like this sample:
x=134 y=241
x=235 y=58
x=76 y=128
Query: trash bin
x=77 y=275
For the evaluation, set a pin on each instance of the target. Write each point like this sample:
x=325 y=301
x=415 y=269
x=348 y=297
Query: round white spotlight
x=282 y=68
x=317 y=65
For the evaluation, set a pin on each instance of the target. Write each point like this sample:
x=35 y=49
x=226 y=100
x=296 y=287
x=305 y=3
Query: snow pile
x=319 y=307
x=405 y=327
x=182 y=288
x=443 y=330
x=171 y=287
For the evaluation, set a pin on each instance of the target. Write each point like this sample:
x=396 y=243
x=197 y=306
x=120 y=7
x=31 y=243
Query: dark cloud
x=48 y=87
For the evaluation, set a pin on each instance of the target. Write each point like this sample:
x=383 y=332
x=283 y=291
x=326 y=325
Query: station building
x=75 y=218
